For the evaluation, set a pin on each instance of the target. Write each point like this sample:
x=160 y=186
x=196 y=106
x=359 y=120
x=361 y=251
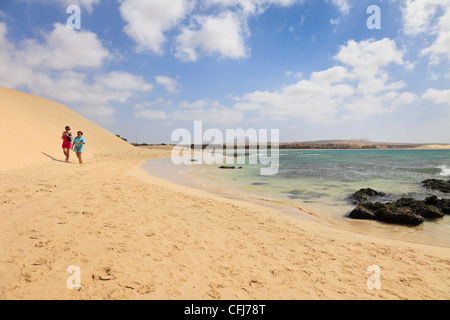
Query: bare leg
x=67 y=154
x=80 y=159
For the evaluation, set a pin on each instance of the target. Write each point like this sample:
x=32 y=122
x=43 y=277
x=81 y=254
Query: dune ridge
x=31 y=127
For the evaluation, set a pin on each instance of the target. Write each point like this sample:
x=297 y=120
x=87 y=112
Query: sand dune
x=31 y=127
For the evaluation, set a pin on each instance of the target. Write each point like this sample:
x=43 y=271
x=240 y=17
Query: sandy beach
x=135 y=236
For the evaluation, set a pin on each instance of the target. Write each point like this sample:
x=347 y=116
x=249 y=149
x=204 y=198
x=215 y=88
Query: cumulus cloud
x=209 y=111
x=440 y=49
x=359 y=87
x=123 y=81
x=342 y=5
x=249 y=7
x=418 y=15
x=148 y=20
x=431 y=18
x=170 y=84
x=203 y=28
x=62 y=69
x=147 y=111
x=437 y=96
x=367 y=59
x=311 y=99
x=63 y=49
x=223 y=35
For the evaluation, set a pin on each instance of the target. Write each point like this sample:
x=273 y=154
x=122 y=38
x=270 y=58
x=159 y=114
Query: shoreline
x=136 y=236
x=312 y=213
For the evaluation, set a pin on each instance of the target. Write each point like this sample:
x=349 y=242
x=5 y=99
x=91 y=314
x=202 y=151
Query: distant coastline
x=333 y=145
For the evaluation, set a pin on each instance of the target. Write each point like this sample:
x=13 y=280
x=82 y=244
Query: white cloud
x=170 y=84
x=218 y=27
x=249 y=7
x=146 y=111
x=368 y=56
x=367 y=60
x=405 y=98
x=360 y=87
x=332 y=75
x=441 y=47
x=199 y=104
x=437 y=96
x=430 y=18
x=105 y=114
x=293 y=74
x=314 y=99
x=223 y=35
x=209 y=111
x=336 y=21
x=62 y=69
x=123 y=81
x=63 y=49
x=418 y=15
x=148 y=20
x=342 y=5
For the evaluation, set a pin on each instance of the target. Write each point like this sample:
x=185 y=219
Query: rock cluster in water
x=363 y=195
x=434 y=184
x=405 y=211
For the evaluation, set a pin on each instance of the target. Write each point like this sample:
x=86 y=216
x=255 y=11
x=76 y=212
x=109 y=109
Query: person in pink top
x=67 y=142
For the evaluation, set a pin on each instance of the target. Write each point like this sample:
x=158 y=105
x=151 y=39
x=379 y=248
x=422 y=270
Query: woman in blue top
x=78 y=145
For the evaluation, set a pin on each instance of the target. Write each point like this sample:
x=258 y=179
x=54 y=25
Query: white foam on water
x=445 y=171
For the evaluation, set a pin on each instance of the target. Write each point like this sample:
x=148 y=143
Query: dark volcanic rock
x=420 y=207
x=227 y=167
x=435 y=184
x=386 y=212
x=442 y=204
x=363 y=195
x=405 y=211
x=363 y=212
x=403 y=216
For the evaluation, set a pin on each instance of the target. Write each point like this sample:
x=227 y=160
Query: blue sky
x=311 y=68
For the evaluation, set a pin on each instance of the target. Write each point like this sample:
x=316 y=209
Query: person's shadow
x=53 y=158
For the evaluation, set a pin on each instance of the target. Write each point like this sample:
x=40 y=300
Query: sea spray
x=445 y=171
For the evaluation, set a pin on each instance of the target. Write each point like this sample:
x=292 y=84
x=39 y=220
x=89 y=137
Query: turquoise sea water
x=320 y=182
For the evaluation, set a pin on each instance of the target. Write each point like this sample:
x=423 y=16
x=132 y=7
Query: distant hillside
x=334 y=144
x=351 y=144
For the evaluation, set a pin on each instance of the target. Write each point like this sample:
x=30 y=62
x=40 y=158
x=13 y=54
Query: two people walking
x=77 y=146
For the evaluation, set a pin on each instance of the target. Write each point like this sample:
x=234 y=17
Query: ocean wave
x=445 y=171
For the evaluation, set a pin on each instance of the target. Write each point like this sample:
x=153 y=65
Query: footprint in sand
x=33 y=234
x=140 y=288
x=103 y=274
x=41 y=244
